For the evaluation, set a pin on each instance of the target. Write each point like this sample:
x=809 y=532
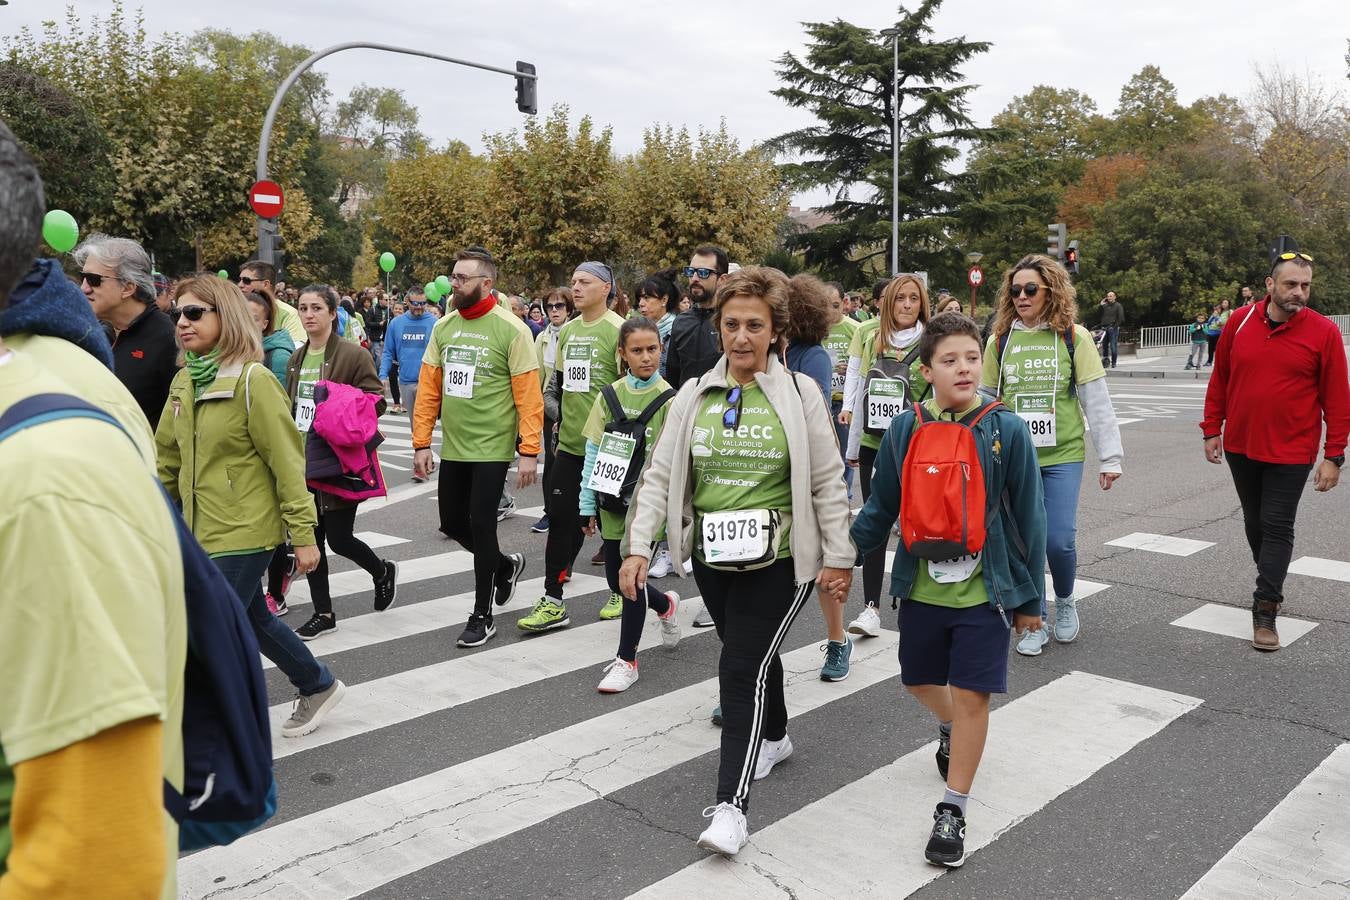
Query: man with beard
x=479 y=363
x=1279 y=374
x=693 y=346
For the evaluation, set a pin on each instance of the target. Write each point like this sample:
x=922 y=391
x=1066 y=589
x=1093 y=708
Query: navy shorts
x=966 y=648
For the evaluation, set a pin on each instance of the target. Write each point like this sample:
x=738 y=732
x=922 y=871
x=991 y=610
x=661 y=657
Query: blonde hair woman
x=888 y=344
x=1046 y=368
x=230 y=455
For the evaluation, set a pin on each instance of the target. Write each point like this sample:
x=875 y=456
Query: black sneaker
x=944 y=753
x=477 y=632
x=386 y=588
x=318 y=625
x=947 y=845
x=506 y=590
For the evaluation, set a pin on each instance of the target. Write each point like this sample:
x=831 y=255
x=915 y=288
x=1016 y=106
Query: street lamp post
x=894 y=35
x=524 y=73
x=974 y=257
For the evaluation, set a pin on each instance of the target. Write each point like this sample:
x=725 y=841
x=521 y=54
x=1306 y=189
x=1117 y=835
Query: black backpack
x=892 y=369
x=635 y=429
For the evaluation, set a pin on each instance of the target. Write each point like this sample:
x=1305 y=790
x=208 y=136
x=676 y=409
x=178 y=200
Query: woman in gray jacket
x=749 y=459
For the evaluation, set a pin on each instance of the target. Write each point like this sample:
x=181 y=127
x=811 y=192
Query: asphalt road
x=1125 y=765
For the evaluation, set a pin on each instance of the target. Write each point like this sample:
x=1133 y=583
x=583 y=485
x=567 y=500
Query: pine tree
x=846 y=79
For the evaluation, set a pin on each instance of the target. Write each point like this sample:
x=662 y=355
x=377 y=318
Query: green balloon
x=387 y=261
x=224 y=274
x=60 y=231
x=433 y=293
x=443 y=284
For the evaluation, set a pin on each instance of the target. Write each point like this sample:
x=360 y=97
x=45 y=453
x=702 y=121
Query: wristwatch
x=1338 y=460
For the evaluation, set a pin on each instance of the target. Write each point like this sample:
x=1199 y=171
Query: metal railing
x=1176 y=335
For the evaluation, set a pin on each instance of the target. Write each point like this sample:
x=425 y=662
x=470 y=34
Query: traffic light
x=1071 y=258
x=1054 y=242
x=527 y=93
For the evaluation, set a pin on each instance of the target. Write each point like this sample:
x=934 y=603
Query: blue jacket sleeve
x=872 y=528
x=588 y=505
x=1026 y=495
x=392 y=333
x=816 y=365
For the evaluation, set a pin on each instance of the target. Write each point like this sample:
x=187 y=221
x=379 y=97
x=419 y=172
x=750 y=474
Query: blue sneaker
x=1032 y=641
x=1066 y=620
x=837 y=655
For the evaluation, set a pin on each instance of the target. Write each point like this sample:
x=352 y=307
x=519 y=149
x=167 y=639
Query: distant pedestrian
x=1277 y=380
x=1199 y=339
x=1112 y=317
x=1214 y=327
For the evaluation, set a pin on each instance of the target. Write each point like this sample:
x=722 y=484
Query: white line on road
x=359 y=845
x=404 y=621
x=1320 y=568
x=375 y=540
x=1161 y=543
x=796 y=857
x=422 y=568
x=1301 y=849
x=1230 y=621
x=397 y=495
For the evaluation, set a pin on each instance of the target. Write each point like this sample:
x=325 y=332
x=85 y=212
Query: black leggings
x=634 y=613
x=393 y=383
x=752 y=612
x=335 y=528
x=549 y=453
x=1213 y=341
x=874 y=563
x=467 y=498
x=564 y=521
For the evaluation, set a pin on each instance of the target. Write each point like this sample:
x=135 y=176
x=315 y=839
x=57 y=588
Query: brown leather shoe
x=1264 y=635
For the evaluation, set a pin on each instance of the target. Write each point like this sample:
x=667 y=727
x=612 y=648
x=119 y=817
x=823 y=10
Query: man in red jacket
x=1279 y=372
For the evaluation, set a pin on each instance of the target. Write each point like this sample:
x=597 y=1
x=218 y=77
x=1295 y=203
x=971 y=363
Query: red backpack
x=943 y=501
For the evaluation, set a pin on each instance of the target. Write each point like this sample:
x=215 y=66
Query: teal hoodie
x=1014 y=582
x=277 y=349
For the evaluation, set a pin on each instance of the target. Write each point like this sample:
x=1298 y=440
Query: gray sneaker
x=310 y=711
x=1066 y=620
x=704 y=619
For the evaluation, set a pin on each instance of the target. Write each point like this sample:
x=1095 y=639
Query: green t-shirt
x=310 y=367
x=743 y=469
x=634 y=401
x=478 y=358
x=588 y=357
x=109 y=644
x=837 y=343
x=1033 y=380
x=865 y=348
x=956 y=583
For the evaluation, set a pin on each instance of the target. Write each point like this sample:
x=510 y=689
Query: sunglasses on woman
x=96 y=280
x=193 y=313
x=731 y=416
x=1031 y=290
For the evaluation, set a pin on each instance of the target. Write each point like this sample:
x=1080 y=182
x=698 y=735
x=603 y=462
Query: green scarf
x=202 y=369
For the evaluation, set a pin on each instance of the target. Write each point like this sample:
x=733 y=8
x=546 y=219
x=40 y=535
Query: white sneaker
x=868 y=623
x=670 y=626
x=661 y=565
x=771 y=753
x=620 y=676
x=727 y=833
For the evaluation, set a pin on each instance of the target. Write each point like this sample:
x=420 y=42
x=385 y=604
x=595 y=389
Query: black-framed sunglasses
x=1031 y=290
x=701 y=272
x=96 y=280
x=246 y=281
x=731 y=416
x=193 y=313
x=557 y=306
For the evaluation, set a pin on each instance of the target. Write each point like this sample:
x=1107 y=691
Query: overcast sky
x=632 y=63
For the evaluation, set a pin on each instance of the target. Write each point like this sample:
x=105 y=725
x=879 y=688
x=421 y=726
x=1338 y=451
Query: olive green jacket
x=233 y=459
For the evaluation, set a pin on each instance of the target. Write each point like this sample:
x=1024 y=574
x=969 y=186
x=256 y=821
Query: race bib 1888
x=577 y=369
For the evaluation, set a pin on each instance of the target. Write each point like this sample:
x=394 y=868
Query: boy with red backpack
x=959 y=471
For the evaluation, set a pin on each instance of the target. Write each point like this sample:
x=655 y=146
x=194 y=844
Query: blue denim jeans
x=841 y=432
x=277 y=642
x=1061 y=484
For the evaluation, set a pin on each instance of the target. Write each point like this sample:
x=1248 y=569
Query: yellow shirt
x=86 y=530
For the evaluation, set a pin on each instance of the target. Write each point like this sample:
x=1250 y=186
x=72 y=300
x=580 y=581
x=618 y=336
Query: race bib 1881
x=460 y=367
x=1038 y=411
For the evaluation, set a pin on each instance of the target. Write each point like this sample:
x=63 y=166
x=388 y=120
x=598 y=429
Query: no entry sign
x=266 y=199
x=975 y=276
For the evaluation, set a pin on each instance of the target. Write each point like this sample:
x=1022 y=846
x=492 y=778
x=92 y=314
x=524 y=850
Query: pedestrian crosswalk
x=403 y=836
x=1161 y=399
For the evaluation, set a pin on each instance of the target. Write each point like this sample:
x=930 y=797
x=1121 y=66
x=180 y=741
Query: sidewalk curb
x=1157 y=373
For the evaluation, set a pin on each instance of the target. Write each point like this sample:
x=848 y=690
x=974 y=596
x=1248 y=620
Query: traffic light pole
x=264 y=244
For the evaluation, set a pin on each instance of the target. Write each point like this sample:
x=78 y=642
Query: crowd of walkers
x=720 y=429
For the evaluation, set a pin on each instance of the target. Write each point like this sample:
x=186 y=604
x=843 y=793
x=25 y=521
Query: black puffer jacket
x=694 y=346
